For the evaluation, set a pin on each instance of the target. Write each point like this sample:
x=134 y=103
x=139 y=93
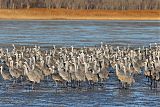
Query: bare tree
x=83 y=4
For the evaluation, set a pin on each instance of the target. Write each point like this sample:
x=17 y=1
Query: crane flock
x=77 y=66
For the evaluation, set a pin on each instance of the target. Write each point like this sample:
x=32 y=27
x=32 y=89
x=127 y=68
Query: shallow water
x=45 y=94
x=80 y=33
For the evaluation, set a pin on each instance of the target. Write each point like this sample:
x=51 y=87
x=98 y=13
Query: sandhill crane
x=103 y=74
x=88 y=73
x=72 y=74
x=56 y=77
x=14 y=72
x=38 y=72
x=136 y=67
x=79 y=73
x=154 y=73
x=64 y=74
x=32 y=76
x=47 y=71
x=128 y=79
x=147 y=72
x=5 y=74
x=121 y=74
x=45 y=68
x=95 y=77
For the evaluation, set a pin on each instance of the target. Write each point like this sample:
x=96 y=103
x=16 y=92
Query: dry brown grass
x=43 y=14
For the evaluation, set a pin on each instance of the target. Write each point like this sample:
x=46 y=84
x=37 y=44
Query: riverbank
x=67 y=14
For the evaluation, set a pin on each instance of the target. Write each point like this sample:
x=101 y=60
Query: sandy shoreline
x=63 y=14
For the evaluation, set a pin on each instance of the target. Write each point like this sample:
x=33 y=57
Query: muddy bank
x=68 y=14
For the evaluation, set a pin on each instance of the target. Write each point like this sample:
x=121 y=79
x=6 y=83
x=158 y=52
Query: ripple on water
x=85 y=33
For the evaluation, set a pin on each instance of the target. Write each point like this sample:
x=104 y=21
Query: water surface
x=79 y=34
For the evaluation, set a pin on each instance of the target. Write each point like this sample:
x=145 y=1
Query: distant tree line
x=83 y=4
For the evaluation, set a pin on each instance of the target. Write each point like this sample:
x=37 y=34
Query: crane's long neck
x=66 y=66
x=146 y=51
x=117 y=69
x=125 y=61
x=34 y=59
x=72 y=48
x=86 y=67
x=16 y=54
x=1 y=69
x=145 y=67
x=11 y=64
x=17 y=64
x=49 y=59
x=33 y=66
x=42 y=63
x=25 y=70
x=75 y=66
x=78 y=60
x=95 y=65
x=129 y=66
x=82 y=55
x=103 y=65
x=30 y=61
x=124 y=69
x=7 y=51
